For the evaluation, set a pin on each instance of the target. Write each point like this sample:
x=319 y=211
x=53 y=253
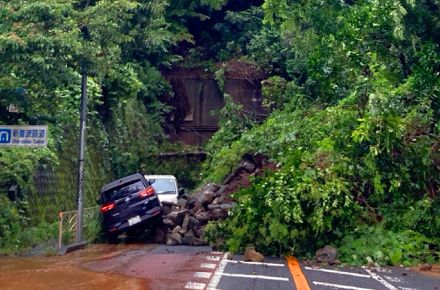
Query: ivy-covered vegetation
x=352 y=91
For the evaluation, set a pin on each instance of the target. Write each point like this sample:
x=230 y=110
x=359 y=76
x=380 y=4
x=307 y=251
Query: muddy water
x=68 y=272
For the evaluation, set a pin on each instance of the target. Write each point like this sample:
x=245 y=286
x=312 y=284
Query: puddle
x=67 y=272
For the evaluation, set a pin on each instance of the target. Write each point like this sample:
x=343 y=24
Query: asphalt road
x=183 y=267
x=158 y=267
x=274 y=273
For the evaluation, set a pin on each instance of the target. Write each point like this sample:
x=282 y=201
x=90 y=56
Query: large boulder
x=207 y=197
x=190 y=239
x=203 y=216
x=200 y=232
x=168 y=223
x=177 y=216
x=218 y=214
x=185 y=224
x=327 y=254
x=194 y=224
x=173 y=238
x=211 y=186
x=193 y=202
x=214 y=206
x=220 y=200
x=203 y=197
x=250 y=254
x=221 y=190
x=227 y=206
x=182 y=202
x=195 y=208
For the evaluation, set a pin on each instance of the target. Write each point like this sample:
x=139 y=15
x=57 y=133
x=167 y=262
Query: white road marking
x=394 y=279
x=213 y=258
x=217 y=253
x=215 y=280
x=204 y=275
x=255 y=263
x=338 y=286
x=338 y=272
x=383 y=270
x=256 y=277
x=208 y=266
x=403 y=288
x=380 y=279
x=194 y=285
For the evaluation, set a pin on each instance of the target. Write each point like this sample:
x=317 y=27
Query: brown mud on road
x=165 y=268
x=67 y=272
x=433 y=271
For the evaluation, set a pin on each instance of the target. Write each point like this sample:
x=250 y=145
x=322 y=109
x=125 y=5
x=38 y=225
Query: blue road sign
x=5 y=136
x=23 y=136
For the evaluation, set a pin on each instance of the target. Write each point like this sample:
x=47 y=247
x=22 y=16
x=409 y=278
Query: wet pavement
x=158 y=267
x=123 y=266
x=276 y=273
x=362 y=278
x=67 y=272
x=163 y=267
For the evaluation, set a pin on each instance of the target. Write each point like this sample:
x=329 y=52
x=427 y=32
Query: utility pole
x=82 y=148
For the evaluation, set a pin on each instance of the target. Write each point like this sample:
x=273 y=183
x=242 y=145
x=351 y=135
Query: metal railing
x=67 y=221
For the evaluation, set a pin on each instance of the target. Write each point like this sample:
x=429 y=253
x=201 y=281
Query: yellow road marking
x=298 y=276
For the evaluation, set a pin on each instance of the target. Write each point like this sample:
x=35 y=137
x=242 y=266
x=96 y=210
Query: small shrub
x=16 y=234
x=376 y=245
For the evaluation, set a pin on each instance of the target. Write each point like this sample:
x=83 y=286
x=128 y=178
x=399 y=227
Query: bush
x=10 y=223
x=375 y=245
x=338 y=173
x=15 y=233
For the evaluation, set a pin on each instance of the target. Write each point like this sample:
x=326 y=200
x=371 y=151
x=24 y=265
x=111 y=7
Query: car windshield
x=163 y=186
x=124 y=190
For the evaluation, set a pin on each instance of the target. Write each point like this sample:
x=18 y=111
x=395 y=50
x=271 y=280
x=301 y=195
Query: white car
x=165 y=187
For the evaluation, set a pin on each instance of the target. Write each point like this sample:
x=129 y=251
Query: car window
x=163 y=186
x=124 y=190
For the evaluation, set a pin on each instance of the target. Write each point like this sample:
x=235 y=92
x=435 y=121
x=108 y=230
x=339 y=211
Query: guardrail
x=67 y=223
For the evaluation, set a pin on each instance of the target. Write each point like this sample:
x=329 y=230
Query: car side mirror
x=181 y=191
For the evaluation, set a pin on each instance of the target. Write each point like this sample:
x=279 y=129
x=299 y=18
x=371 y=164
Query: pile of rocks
x=185 y=222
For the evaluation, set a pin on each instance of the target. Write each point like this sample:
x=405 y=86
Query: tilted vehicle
x=128 y=203
x=165 y=186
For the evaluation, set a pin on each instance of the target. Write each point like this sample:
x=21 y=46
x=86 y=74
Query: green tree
x=354 y=131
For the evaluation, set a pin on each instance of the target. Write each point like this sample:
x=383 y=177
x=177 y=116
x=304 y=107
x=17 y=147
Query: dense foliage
x=354 y=132
x=45 y=46
x=353 y=95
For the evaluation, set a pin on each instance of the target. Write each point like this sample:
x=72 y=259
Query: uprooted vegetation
x=332 y=188
x=354 y=132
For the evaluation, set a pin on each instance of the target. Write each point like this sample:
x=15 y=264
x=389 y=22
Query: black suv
x=127 y=204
